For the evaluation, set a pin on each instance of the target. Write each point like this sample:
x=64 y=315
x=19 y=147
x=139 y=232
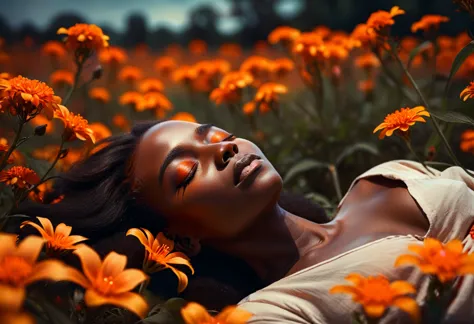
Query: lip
x=241 y=164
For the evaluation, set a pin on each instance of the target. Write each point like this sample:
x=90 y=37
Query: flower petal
x=62 y=30
x=139 y=235
x=182 y=278
x=233 y=315
x=7 y=243
x=344 y=290
x=30 y=248
x=131 y=301
x=402 y=287
x=38 y=228
x=407 y=259
x=178 y=258
x=73 y=239
x=49 y=270
x=454 y=246
x=193 y=313
x=127 y=280
x=374 y=310
x=408 y=305
x=466 y=269
x=63 y=229
x=90 y=261
x=11 y=298
x=428 y=268
x=113 y=265
x=47 y=225
x=164 y=240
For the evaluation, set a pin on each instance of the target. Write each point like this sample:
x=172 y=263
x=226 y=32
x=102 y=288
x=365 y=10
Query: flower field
x=324 y=105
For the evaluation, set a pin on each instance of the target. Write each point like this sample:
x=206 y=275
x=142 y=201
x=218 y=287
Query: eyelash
x=194 y=168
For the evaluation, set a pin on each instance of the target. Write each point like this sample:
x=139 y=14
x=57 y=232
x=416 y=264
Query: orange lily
x=59 y=239
x=193 y=313
x=107 y=282
x=158 y=256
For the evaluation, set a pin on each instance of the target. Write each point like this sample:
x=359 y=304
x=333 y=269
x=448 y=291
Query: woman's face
x=208 y=183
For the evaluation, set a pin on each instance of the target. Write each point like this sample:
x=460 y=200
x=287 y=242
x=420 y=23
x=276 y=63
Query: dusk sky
x=171 y=13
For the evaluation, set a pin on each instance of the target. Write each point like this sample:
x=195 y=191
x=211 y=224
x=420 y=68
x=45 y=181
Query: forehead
x=168 y=133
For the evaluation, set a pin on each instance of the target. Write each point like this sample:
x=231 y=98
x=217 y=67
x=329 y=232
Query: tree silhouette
x=137 y=30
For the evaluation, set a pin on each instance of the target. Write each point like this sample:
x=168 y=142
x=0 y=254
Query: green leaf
x=458 y=61
x=453 y=117
x=361 y=146
x=320 y=199
x=417 y=50
x=303 y=166
x=54 y=314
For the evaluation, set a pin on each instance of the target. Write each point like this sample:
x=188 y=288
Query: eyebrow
x=179 y=151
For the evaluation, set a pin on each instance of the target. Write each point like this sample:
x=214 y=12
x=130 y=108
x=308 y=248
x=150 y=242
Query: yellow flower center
x=159 y=255
x=105 y=285
x=14 y=270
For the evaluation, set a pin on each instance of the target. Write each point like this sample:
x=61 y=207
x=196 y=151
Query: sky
x=170 y=13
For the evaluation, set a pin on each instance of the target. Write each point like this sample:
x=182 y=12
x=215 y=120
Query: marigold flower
x=130 y=74
x=5 y=75
x=224 y=95
x=121 y=122
x=19 y=177
x=156 y=101
x=113 y=55
x=282 y=66
x=364 y=35
x=428 y=22
x=75 y=126
x=53 y=49
x=467 y=141
x=100 y=94
x=184 y=116
x=468 y=92
x=56 y=239
x=100 y=131
x=445 y=43
x=283 y=34
x=310 y=45
x=237 y=79
x=107 y=282
x=18 y=267
x=27 y=98
x=230 y=50
x=445 y=261
x=257 y=66
x=62 y=77
x=401 y=120
x=366 y=86
x=382 y=19
x=197 y=47
x=267 y=96
x=194 y=313
x=165 y=65
x=367 y=61
x=376 y=294
x=83 y=39
x=151 y=85
x=158 y=255
x=132 y=98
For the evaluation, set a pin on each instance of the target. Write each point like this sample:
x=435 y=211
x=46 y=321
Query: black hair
x=98 y=204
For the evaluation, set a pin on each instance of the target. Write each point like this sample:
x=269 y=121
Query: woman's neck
x=273 y=243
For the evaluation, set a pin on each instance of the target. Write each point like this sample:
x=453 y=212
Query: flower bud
x=97 y=72
x=63 y=153
x=40 y=130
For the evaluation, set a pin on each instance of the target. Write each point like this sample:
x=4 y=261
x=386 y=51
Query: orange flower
x=376 y=294
x=156 y=101
x=56 y=239
x=113 y=56
x=100 y=131
x=401 y=120
x=75 y=126
x=12 y=317
x=428 y=22
x=367 y=61
x=62 y=77
x=41 y=120
x=310 y=45
x=18 y=267
x=83 y=39
x=19 y=177
x=184 y=74
x=282 y=66
x=27 y=98
x=100 y=94
x=151 y=85
x=121 y=122
x=193 y=313
x=225 y=95
x=366 y=86
x=267 y=96
x=158 y=255
x=445 y=261
x=230 y=50
x=165 y=65
x=467 y=141
x=283 y=34
x=237 y=79
x=364 y=35
x=257 y=66
x=468 y=92
x=130 y=74
x=197 y=47
x=132 y=98
x=381 y=19
x=5 y=75
x=184 y=116
x=54 y=49
x=107 y=282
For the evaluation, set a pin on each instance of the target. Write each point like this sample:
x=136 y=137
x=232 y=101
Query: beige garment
x=447 y=199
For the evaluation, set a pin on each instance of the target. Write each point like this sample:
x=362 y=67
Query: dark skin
x=186 y=172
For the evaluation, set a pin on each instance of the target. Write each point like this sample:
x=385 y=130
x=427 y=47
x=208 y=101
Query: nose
x=226 y=151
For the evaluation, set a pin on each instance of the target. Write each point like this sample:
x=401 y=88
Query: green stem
x=336 y=182
x=79 y=65
x=425 y=103
x=12 y=146
x=410 y=147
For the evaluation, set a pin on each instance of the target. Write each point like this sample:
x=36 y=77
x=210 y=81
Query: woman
x=220 y=191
